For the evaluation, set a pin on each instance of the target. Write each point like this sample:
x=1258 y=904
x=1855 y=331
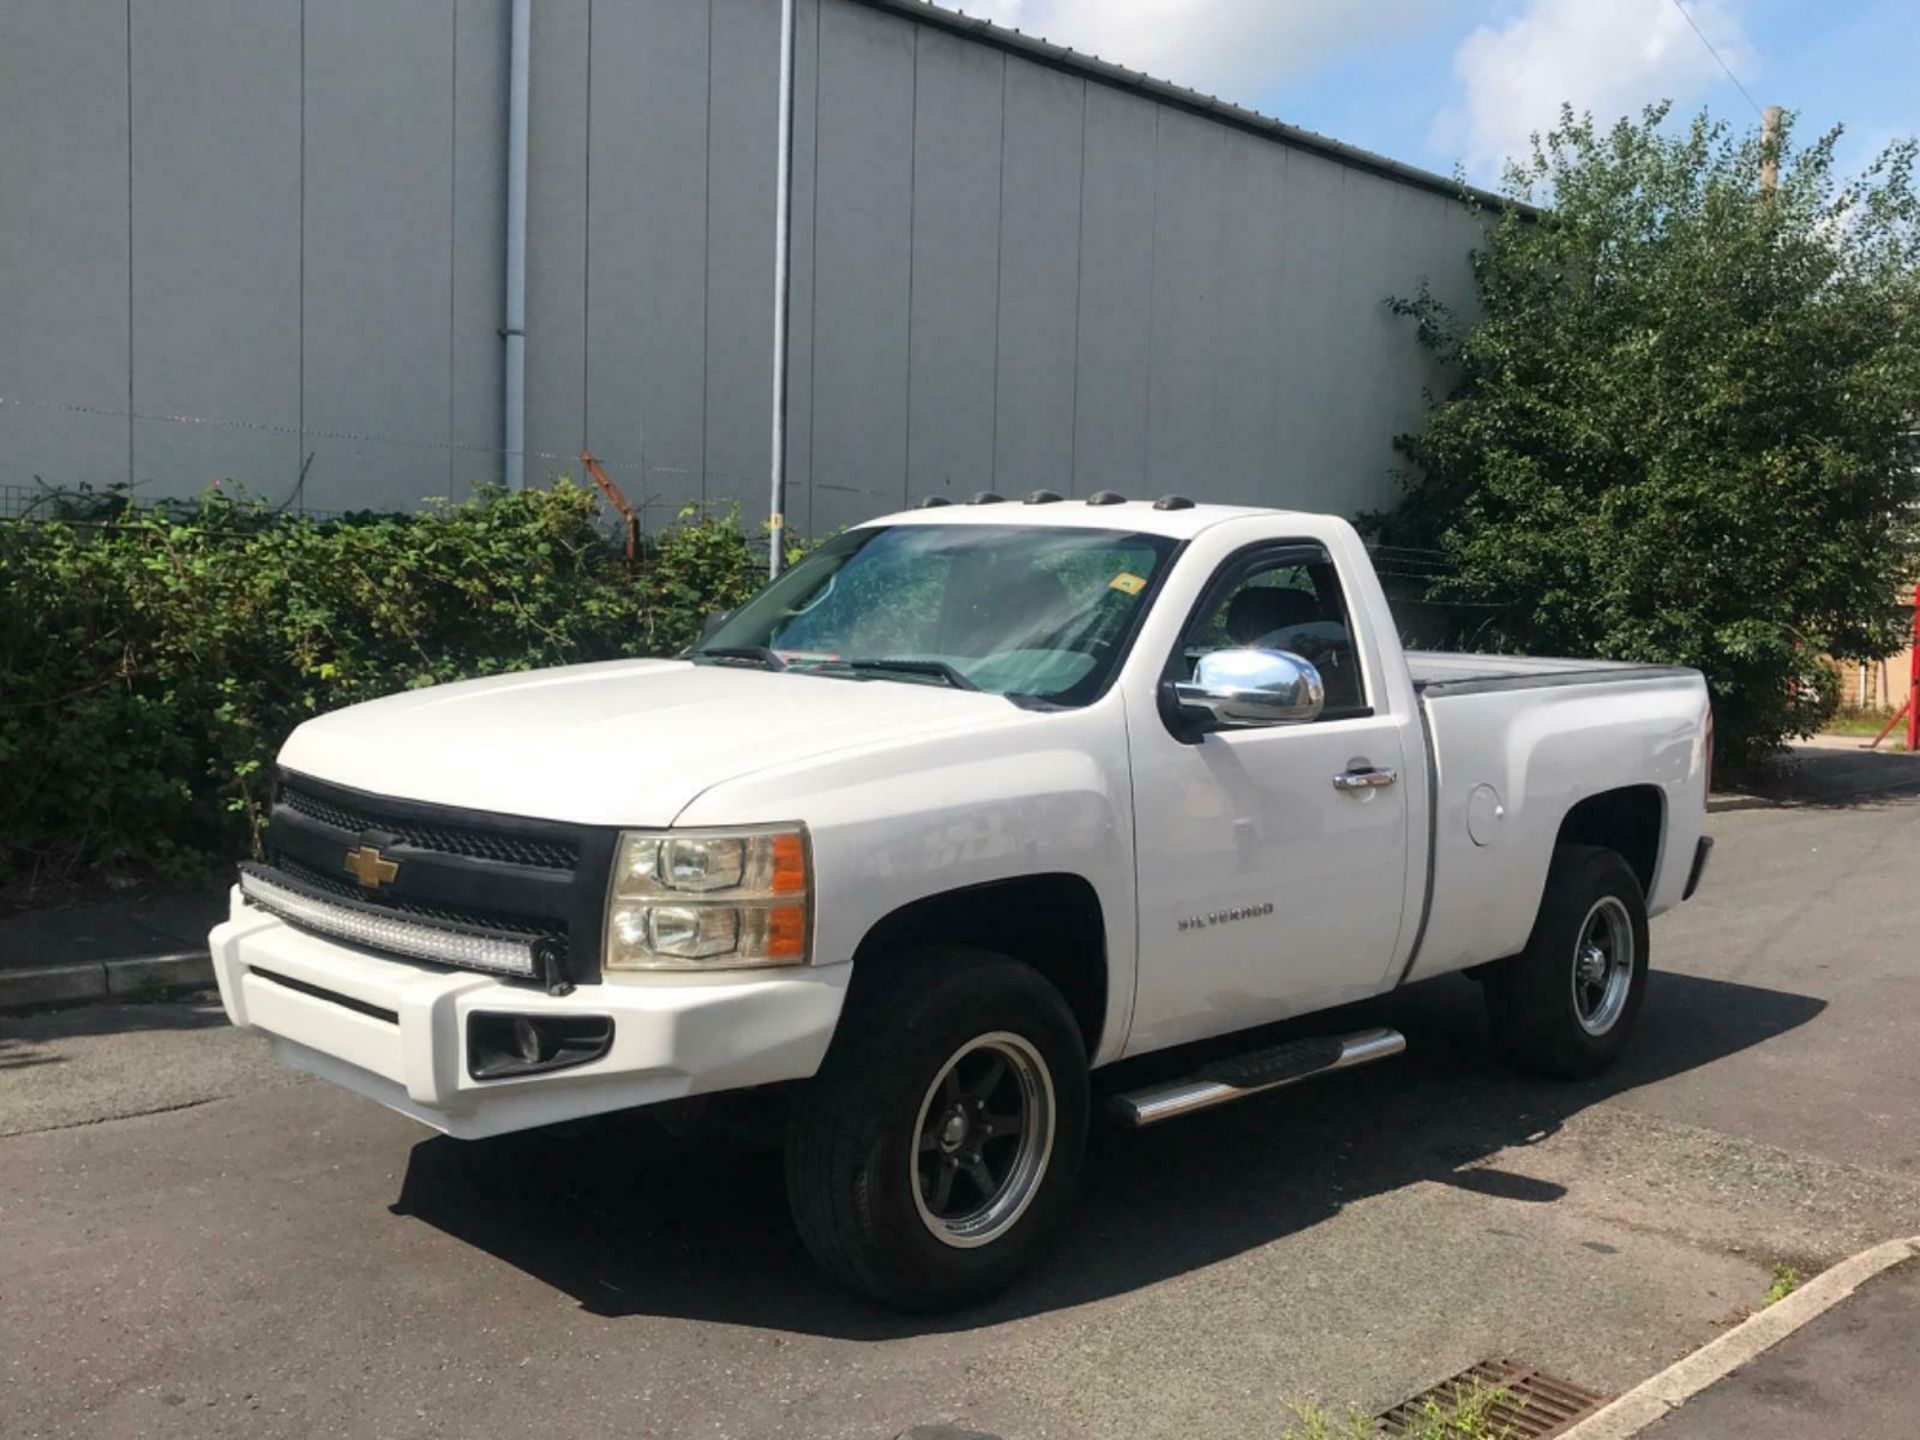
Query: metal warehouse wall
x=1007 y=274
x=302 y=242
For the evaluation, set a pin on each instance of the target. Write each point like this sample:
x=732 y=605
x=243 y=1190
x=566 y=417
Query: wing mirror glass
x=1238 y=688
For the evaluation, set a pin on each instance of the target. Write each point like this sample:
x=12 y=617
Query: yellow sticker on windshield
x=1127 y=583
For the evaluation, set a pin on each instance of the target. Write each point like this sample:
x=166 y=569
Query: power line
x=1716 y=55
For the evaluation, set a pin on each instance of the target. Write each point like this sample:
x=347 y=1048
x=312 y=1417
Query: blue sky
x=1443 y=82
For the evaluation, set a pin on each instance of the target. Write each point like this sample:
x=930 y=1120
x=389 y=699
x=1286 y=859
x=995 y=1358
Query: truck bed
x=1439 y=672
x=1515 y=743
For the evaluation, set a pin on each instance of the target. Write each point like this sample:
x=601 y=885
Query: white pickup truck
x=973 y=800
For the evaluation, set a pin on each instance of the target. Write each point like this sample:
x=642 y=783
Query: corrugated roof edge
x=1059 y=57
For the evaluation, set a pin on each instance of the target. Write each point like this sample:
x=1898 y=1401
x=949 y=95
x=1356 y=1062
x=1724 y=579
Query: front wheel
x=1567 y=1004
x=936 y=1150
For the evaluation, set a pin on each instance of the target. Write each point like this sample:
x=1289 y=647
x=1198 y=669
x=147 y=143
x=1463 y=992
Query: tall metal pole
x=1769 y=149
x=782 y=295
x=513 y=401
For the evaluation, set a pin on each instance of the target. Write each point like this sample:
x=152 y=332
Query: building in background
x=263 y=241
x=1882 y=686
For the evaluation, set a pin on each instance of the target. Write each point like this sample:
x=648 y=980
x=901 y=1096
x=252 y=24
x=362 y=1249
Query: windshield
x=1031 y=611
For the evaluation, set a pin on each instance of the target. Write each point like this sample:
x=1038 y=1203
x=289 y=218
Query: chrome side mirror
x=1235 y=688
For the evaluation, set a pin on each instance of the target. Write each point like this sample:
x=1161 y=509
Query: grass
x=1868 y=723
x=1313 y=1421
x=1786 y=1280
x=1468 y=1417
x=151 y=990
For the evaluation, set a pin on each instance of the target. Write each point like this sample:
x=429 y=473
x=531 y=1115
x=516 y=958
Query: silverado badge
x=370 y=868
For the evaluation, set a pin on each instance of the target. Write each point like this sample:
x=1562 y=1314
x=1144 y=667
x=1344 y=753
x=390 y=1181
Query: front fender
x=1042 y=792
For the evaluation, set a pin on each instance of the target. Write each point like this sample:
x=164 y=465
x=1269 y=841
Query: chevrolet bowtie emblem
x=370 y=868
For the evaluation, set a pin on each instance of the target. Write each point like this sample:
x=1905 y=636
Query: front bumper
x=396 y=1031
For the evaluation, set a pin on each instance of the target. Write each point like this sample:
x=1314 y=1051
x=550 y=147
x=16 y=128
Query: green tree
x=1684 y=429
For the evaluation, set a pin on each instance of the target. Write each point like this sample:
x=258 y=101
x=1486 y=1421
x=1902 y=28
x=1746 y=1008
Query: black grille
x=506 y=849
x=446 y=914
x=458 y=868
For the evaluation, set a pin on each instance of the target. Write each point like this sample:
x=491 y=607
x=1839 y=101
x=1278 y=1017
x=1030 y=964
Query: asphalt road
x=194 y=1243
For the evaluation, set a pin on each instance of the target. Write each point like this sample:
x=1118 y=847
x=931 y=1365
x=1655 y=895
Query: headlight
x=710 y=900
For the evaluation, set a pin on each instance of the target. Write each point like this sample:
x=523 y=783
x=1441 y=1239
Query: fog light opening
x=503 y=1045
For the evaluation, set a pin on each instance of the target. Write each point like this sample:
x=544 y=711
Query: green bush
x=152 y=664
x=1684 y=429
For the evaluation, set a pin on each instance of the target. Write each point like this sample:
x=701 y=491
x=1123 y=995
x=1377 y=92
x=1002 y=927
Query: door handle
x=1367 y=779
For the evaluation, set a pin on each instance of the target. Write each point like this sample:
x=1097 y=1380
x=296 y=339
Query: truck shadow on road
x=631 y=1221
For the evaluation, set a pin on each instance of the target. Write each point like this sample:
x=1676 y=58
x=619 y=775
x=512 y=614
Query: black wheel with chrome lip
x=936 y=1150
x=1567 y=1004
x=985 y=1137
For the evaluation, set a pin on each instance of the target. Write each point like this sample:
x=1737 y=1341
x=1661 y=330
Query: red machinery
x=1910 y=710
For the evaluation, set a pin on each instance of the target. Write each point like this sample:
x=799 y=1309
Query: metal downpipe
x=782 y=296
x=513 y=404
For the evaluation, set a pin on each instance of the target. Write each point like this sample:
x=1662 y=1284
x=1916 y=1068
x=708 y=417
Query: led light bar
x=502 y=954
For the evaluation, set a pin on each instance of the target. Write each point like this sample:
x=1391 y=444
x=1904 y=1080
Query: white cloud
x=1607 y=56
x=1238 y=50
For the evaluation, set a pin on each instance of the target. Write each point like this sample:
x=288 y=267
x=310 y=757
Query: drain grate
x=1536 y=1405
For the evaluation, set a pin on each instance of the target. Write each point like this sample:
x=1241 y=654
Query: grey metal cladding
x=1039 y=280
x=216 y=263
x=1115 y=345
x=647 y=252
x=745 y=54
x=957 y=148
x=479 y=241
x=1189 y=234
x=1246 y=374
x=863 y=198
x=1012 y=268
x=1319 y=358
x=64 y=291
x=378 y=265
x=559 y=216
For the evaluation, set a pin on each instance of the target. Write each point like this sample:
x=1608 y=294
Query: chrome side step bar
x=1246 y=1075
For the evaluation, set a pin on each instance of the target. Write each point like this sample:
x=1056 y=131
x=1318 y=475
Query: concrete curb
x=1687 y=1377
x=96 y=980
x=1722 y=804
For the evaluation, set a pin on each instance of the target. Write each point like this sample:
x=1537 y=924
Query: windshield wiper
x=759 y=654
x=936 y=669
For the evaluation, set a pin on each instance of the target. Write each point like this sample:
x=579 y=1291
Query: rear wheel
x=1567 y=1004
x=934 y=1153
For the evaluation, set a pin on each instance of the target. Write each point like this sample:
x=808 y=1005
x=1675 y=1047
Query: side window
x=1284 y=600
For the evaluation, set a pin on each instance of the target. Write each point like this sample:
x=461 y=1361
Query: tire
x=866 y=1188
x=1555 y=1009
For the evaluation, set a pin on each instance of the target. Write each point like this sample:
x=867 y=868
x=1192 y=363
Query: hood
x=628 y=742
